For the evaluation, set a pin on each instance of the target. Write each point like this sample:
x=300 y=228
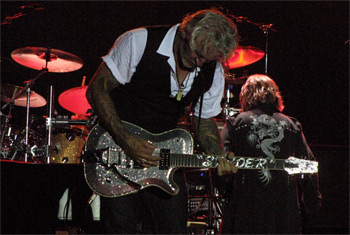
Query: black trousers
x=150 y=211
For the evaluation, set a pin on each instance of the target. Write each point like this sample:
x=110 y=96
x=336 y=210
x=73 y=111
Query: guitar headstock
x=301 y=166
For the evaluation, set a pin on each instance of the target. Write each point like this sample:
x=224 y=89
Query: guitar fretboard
x=173 y=160
x=194 y=161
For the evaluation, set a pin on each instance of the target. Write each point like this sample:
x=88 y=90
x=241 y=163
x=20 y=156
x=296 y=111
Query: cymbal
x=230 y=79
x=74 y=100
x=35 y=58
x=243 y=56
x=8 y=91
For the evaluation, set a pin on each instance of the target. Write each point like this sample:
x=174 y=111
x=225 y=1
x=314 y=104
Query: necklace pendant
x=179 y=96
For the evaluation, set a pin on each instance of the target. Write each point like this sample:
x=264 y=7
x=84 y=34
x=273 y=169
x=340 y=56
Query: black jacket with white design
x=272 y=201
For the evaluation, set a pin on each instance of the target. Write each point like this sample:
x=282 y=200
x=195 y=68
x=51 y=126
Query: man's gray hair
x=217 y=28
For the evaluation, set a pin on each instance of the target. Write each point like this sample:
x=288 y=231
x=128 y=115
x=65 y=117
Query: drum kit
x=44 y=139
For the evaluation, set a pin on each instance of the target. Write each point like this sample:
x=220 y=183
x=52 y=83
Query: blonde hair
x=218 y=29
x=260 y=90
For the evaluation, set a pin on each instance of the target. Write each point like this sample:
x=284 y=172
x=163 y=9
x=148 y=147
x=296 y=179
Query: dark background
x=308 y=57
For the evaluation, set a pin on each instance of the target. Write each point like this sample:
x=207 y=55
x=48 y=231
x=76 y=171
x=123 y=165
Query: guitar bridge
x=93 y=155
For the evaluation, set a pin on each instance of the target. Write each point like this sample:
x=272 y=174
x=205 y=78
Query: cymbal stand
x=49 y=147
x=27 y=87
x=264 y=27
x=212 y=201
x=228 y=101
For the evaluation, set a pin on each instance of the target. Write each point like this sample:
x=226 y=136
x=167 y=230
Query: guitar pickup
x=164 y=162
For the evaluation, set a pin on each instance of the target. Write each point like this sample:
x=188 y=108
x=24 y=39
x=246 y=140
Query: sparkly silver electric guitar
x=109 y=172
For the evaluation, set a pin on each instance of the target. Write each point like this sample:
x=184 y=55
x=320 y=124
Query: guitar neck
x=192 y=161
x=173 y=160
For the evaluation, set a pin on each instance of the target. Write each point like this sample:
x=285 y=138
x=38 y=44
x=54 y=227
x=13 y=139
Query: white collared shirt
x=127 y=51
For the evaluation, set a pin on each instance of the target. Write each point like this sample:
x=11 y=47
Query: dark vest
x=146 y=101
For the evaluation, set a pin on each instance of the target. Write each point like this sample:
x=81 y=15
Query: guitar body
x=115 y=174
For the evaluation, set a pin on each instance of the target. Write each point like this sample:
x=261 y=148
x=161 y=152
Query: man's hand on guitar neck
x=141 y=151
x=226 y=166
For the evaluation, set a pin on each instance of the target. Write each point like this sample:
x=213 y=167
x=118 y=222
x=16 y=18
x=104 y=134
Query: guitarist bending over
x=148 y=78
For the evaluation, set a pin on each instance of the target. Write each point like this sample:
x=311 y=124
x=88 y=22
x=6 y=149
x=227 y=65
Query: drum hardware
x=92 y=120
x=229 y=111
x=83 y=117
x=49 y=147
x=27 y=87
x=203 y=198
x=5 y=128
x=264 y=27
x=229 y=96
x=231 y=79
x=243 y=56
x=196 y=227
x=213 y=199
x=63 y=120
x=45 y=60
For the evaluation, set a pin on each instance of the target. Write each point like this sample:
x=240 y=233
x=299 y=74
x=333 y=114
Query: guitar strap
x=207 y=70
x=201 y=102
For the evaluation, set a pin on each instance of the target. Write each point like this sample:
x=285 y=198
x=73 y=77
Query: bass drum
x=68 y=146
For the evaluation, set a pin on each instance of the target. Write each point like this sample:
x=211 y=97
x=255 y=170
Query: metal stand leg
x=215 y=210
x=49 y=147
x=210 y=202
x=26 y=155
